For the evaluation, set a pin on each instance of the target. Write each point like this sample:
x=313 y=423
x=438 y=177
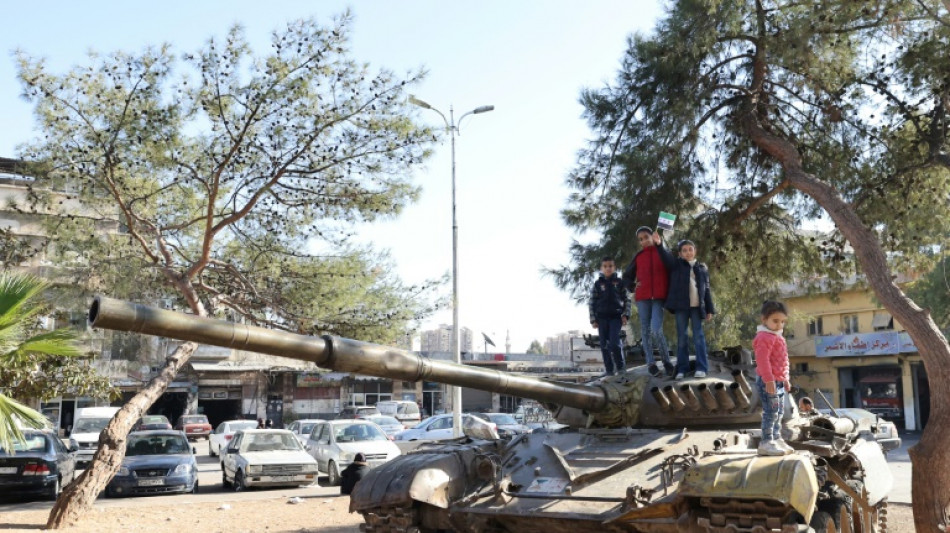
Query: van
x=403 y=411
x=84 y=437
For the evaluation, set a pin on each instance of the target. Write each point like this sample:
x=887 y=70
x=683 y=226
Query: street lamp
x=452 y=126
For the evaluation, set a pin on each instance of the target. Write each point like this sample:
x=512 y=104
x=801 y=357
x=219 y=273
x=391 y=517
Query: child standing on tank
x=648 y=279
x=609 y=307
x=690 y=300
x=771 y=368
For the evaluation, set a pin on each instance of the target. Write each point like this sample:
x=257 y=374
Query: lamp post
x=452 y=126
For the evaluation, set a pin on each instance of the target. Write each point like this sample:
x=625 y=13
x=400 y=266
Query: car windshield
x=156 y=445
x=358 y=433
x=30 y=443
x=194 y=419
x=269 y=442
x=90 y=425
x=153 y=420
x=234 y=427
x=306 y=428
x=385 y=421
x=503 y=420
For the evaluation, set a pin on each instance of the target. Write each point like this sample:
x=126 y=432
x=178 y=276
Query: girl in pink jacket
x=771 y=367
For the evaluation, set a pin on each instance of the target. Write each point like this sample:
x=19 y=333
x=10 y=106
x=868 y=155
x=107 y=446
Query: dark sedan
x=150 y=422
x=156 y=462
x=40 y=464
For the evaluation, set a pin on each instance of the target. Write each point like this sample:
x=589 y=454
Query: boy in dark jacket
x=690 y=299
x=353 y=473
x=609 y=307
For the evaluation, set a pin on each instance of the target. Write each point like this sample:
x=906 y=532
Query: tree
x=932 y=291
x=536 y=348
x=34 y=364
x=231 y=188
x=751 y=116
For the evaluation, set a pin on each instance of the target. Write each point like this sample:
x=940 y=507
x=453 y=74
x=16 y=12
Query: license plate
x=8 y=470
x=151 y=482
x=281 y=478
x=194 y=430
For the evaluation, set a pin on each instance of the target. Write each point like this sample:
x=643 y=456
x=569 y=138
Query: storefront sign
x=315 y=380
x=877 y=343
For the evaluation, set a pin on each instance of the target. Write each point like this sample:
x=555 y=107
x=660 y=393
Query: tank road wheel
x=333 y=473
x=822 y=522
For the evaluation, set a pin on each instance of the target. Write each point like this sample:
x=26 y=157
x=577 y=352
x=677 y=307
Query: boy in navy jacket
x=690 y=299
x=609 y=307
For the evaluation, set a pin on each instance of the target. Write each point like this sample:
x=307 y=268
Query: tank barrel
x=336 y=353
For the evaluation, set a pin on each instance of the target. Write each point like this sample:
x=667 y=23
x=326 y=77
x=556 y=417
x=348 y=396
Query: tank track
x=390 y=520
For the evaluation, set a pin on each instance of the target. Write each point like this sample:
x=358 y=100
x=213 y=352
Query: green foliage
x=214 y=176
x=536 y=348
x=844 y=83
x=932 y=291
x=36 y=364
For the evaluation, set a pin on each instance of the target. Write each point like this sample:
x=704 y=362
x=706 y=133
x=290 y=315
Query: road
x=899 y=461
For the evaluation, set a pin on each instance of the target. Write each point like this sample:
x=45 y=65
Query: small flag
x=666 y=221
x=488 y=339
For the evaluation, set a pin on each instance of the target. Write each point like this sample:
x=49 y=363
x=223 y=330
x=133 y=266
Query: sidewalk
x=899 y=462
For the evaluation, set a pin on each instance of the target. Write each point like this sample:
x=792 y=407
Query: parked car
x=438 y=427
x=38 y=464
x=356 y=411
x=335 y=443
x=507 y=425
x=266 y=458
x=84 y=434
x=194 y=426
x=884 y=431
x=156 y=462
x=302 y=428
x=218 y=440
x=405 y=411
x=388 y=424
x=152 y=422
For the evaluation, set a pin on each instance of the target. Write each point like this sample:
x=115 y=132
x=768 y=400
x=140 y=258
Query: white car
x=335 y=443
x=219 y=438
x=302 y=428
x=266 y=458
x=438 y=427
x=388 y=424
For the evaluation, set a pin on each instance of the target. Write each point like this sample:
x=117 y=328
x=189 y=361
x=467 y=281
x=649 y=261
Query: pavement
x=899 y=462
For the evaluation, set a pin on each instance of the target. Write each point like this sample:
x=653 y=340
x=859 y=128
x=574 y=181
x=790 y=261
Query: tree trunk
x=77 y=497
x=931 y=456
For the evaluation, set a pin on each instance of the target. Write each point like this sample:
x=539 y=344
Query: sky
x=530 y=59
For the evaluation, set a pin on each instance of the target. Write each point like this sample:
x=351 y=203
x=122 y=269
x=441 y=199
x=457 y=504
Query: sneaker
x=670 y=369
x=784 y=445
x=770 y=448
x=679 y=376
x=654 y=370
x=699 y=374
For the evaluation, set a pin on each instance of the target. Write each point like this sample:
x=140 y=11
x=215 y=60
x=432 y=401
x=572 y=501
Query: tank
x=640 y=453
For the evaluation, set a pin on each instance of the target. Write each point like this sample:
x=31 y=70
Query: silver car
x=266 y=458
x=335 y=443
x=387 y=423
x=302 y=428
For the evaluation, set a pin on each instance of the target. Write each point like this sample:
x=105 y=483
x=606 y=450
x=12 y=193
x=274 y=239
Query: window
x=849 y=324
x=801 y=367
x=882 y=321
x=815 y=327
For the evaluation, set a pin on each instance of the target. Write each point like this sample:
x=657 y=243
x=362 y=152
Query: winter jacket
x=771 y=355
x=608 y=298
x=677 y=298
x=648 y=273
x=351 y=475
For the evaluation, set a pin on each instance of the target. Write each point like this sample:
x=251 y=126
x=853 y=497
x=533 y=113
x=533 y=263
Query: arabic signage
x=314 y=380
x=877 y=343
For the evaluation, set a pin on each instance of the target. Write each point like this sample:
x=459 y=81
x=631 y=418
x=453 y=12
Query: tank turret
x=635 y=398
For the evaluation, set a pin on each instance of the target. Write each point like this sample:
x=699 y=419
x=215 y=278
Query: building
x=851 y=350
x=440 y=339
x=560 y=344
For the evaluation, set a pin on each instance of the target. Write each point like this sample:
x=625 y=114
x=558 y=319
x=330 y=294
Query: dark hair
x=607 y=258
x=360 y=458
x=770 y=307
x=807 y=401
x=684 y=242
x=647 y=229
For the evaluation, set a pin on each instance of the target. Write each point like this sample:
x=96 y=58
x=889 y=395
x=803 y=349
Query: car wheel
x=334 y=474
x=239 y=482
x=224 y=480
x=210 y=448
x=54 y=491
x=194 y=490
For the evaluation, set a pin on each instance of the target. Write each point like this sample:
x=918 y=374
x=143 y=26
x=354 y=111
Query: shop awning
x=881 y=321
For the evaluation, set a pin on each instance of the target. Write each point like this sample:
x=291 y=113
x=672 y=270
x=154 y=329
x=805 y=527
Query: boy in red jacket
x=648 y=279
x=771 y=367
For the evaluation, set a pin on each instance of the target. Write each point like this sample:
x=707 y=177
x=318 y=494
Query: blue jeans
x=651 y=330
x=683 y=318
x=610 y=346
x=773 y=407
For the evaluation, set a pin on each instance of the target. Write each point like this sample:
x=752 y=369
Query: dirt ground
x=311 y=515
